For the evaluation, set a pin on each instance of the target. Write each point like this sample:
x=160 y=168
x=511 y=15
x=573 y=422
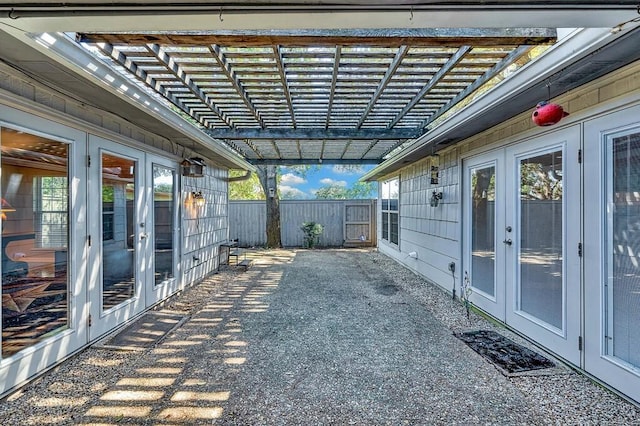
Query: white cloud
x=291 y=192
x=333 y=182
x=291 y=179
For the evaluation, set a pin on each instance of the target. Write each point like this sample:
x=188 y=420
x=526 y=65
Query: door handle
x=143 y=235
x=508 y=242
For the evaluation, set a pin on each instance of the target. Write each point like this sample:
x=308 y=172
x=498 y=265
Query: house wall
x=204 y=228
x=201 y=235
x=432 y=232
x=34 y=108
x=435 y=233
x=584 y=293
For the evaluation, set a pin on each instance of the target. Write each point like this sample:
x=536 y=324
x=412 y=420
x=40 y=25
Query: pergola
x=314 y=96
x=360 y=84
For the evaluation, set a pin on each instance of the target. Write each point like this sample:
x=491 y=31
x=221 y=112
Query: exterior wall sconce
x=193 y=167
x=198 y=199
x=435 y=198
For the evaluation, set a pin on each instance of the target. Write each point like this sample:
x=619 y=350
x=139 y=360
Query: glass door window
x=622 y=291
x=118 y=242
x=118 y=248
x=541 y=269
x=164 y=223
x=612 y=249
x=483 y=218
x=35 y=239
x=542 y=251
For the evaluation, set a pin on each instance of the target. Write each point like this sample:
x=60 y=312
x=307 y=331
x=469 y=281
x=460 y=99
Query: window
x=35 y=217
x=390 y=216
x=164 y=183
x=50 y=202
x=107 y=212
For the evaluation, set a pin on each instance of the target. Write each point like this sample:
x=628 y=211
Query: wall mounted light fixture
x=435 y=198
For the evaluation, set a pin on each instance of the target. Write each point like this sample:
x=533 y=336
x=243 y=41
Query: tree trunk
x=267 y=175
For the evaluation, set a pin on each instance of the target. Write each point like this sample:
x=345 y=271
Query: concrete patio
x=311 y=337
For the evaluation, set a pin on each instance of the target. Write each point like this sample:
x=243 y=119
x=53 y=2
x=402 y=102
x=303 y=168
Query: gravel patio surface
x=311 y=337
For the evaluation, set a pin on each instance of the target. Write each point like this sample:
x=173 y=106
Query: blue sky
x=325 y=175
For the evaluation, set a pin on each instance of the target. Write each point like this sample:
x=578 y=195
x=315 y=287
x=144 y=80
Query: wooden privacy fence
x=348 y=223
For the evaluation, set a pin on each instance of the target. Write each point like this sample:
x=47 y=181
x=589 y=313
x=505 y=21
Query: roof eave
x=497 y=102
x=69 y=54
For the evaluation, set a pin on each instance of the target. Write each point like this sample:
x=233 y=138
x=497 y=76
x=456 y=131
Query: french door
x=162 y=229
x=118 y=234
x=612 y=247
x=484 y=218
x=522 y=236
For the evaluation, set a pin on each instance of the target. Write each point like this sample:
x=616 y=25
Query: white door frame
x=31 y=361
x=492 y=304
x=565 y=340
x=103 y=321
x=160 y=291
x=598 y=361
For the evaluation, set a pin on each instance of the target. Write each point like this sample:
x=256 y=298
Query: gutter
x=62 y=49
x=565 y=53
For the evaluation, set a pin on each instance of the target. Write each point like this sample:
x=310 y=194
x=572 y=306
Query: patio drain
x=510 y=357
x=387 y=290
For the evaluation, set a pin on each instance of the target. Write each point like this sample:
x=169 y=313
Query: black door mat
x=144 y=333
x=510 y=357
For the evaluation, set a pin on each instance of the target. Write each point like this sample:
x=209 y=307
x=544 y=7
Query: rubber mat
x=503 y=352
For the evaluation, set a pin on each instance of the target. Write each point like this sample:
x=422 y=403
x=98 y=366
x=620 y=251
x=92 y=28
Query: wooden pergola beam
x=427 y=37
x=315 y=133
x=304 y=161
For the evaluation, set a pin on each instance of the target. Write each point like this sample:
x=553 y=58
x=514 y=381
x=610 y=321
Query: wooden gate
x=359 y=223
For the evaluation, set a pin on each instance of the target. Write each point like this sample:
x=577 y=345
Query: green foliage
x=248 y=189
x=302 y=170
x=312 y=232
x=359 y=190
x=108 y=193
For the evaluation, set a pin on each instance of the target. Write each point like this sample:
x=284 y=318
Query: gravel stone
x=312 y=337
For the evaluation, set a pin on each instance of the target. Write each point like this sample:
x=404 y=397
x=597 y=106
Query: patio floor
x=311 y=337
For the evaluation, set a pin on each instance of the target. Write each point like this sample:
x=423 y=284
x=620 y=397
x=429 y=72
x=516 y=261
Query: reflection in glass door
x=541 y=290
x=483 y=217
x=35 y=239
x=622 y=295
x=117 y=231
x=164 y=206
x=118 y=222
x=612 y=249
x=483 y=209
x=543 y=249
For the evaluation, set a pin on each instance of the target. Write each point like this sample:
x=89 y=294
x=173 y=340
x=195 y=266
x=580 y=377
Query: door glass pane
x=483 y=218
x=163 y=222
x=35 y=239
x=541 y=250
x=623 y=257
x=118 y=253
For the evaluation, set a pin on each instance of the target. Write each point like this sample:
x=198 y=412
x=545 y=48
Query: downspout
x=246 y=176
